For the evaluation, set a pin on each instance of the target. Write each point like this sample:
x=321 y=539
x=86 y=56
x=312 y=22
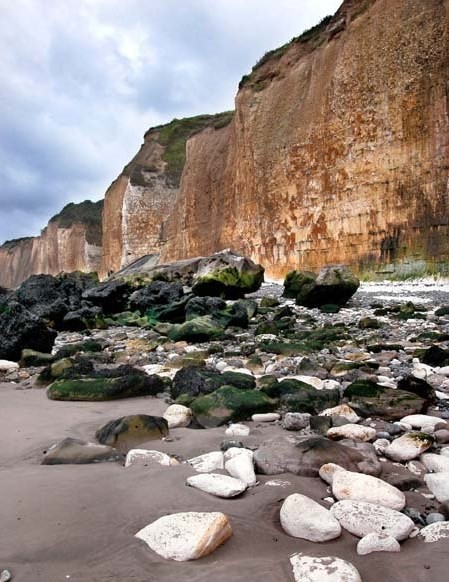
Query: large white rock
x=341 y=410
x=435 y=531
x=216 y=484
x=7 y=366
x=360 y=487
x=242 y=467
x=266 y=417
x=435 y=463
x=408 y=446
x=144 y=457
x=377 y=542
x=353 y=432
x=186 y=536
x=208 y=462
x=302 y=517
x=438 y=484
x=310 y=380
x=177 y=416
x=420 y=420
x=326 y=569
x=237 y=430
x=361 y=518
x=236 y=451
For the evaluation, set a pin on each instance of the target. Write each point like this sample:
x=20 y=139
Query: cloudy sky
x=82 y=80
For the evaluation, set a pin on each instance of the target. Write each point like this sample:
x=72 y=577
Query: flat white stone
x=218 y=485
x=325 y=569
x=144 y=457
x=302 y=517
x=352 y=431
x=277 y=483
x=236 y=451
x=178 y=416
x=377 y=542
x=408 y=446
x=435 y=463
x=242 y=467
x=341 y=410
x=438 y=484
x=420 y=420
x=208 y=462
x=237 y=430
x=267 y=417
x=360 y=519
x=8 y=366
x=186 y=536
x=435 y=531
x=360 y=487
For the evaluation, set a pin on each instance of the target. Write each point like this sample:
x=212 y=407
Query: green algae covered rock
x=126 y=432
x=201 y=329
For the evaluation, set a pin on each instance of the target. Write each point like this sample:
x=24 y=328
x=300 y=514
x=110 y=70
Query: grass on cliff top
x=88 y=213
x=175 y=134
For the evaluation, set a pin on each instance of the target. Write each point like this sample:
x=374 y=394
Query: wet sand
x=77 y=522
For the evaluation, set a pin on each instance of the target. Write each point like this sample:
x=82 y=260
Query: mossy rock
x=309 y=399
x=267 y=328
x=228 y=283
x=174 y=312
x=441 y=311
x=229 y=403
x=369 y=323
x=283 y=348
x=31 y=358
x=329 y=308
x=201 y=329
x=250 y=306
x=58 y=368
x=128 y=431
x=88 y=345
x=99 y=389
x=295 y=281
x=286 y=386
x=239 y=380
x=269 y=302
x=129 y=319
x=196 y=381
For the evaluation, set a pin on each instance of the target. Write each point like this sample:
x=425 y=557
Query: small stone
x=5 y=576
x=381 y=445
x=267 y=417
x=296 y=420
x=145 y=458
x=377 y=542
x=186 y=536
x=409 y=446
x=415 y=515
x=383 y=434
x=353 y=432
x=242 y=467
x=324 y=569
x=237 y=430
x=438 y=484
x=208 y=462
x=302 y=517
x=435 y=463
x=435 y=518
x=216 y=484
x=435 y=532
x=442 y=436
x=178 y=416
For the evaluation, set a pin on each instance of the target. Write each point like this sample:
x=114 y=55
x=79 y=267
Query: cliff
x=70 y=242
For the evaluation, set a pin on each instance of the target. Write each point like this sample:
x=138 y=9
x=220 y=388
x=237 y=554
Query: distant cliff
x=70 y=242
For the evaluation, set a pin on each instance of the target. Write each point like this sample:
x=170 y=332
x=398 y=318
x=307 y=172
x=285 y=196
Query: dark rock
x=228 y=444
x=83 y=318
x=269 y=302
x=266 y=327
x=112 y=296
x=329 y=308
x=442 y=436
x=155 y=294
x=435 y=356
x=434 y=518
x=305 y=457
x=230 y=404
x=444 y=509
x=225 y=315
x=321 y=424
x=369 y=323
x=72 y=451
x=309 y=399
x=414 y=515
x=417 y=386
x=85 y=346
x=195 y=381
x=297 y=281
x=201 y=329
x=126 y=432
x=31 y=358
x=442 y=311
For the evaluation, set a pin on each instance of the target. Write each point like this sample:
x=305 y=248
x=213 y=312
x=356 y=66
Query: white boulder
x=208 y=462
x=435 y=531
x=237 y=430
x=302 y=517
x=341 y=410
x=7 y=366
x=242 y=467
x=377 y=542
x=408 y=446
x=178 y=416
x=353 y=432
x=216 y=484
x=435 y=463
x=420 y=420
x=438 y=484
x=325 y=569
x=144 y=457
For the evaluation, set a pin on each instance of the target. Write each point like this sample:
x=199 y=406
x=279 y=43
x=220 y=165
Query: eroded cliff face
x=338 y=151
x=70 y=242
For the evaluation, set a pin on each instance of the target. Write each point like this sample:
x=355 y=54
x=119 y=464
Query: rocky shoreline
x=298 y=441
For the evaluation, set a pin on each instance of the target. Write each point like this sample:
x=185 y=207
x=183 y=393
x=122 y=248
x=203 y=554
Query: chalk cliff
x=70 y=242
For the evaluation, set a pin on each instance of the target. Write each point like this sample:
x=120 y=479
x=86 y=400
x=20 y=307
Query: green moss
x=364 y=388
x=88 y=213
x=200 y=329
x=228 y=283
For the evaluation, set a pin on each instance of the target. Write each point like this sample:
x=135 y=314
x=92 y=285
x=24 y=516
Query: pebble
x=208 y=462
x=5 y=576
x=267 y=417
x=353 y=432
x=438 y=484
x=434 y=518
x=323 y=569
x=237 y=430
x=342 y=410
x=435 y=463
x=144 y=457
x=360 y=519
x=186 y=536
x=302 y=517
x=408 y=446
x=178 y=416
x=296 y=420
x=216 y=484
x=377 y=542
x=435 y=532
x=242 y=467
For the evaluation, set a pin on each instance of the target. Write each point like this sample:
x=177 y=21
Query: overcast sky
x=82 y=80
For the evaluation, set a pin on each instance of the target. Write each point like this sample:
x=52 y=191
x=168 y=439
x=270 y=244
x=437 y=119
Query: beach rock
x=178 y=416
x=306 y=398
x=360 y=519
x=5 y=576
x=435 y=532
x=97 y=388
x=342 y=410
x=145 y=458
x=334 y=284
x=201 y=329
x=72 y=451
x=186 y=536
x=155 y=294
x=435 y=518
x=302 y=517
x=242 y=467
x=229 y=403
x=306 y=457
x=227 y=275
x=323 y=569
x=237 y=430
x=7 y=366
x=438 y=484
x=235 y=451
x=421 y=420
x=296 y=420
x=126 y=431
x=218 y=485
x=435 y=463
x=409 y=446
x=377 y=542
x=208 y=462
x=297 y=281
x=370 y=399
x=225 y=315
x=417 y=386
x=112 y=296
x=87 y=317
x=352 y=431
x=359 y=487
x=267 y=417
x=30 y=358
